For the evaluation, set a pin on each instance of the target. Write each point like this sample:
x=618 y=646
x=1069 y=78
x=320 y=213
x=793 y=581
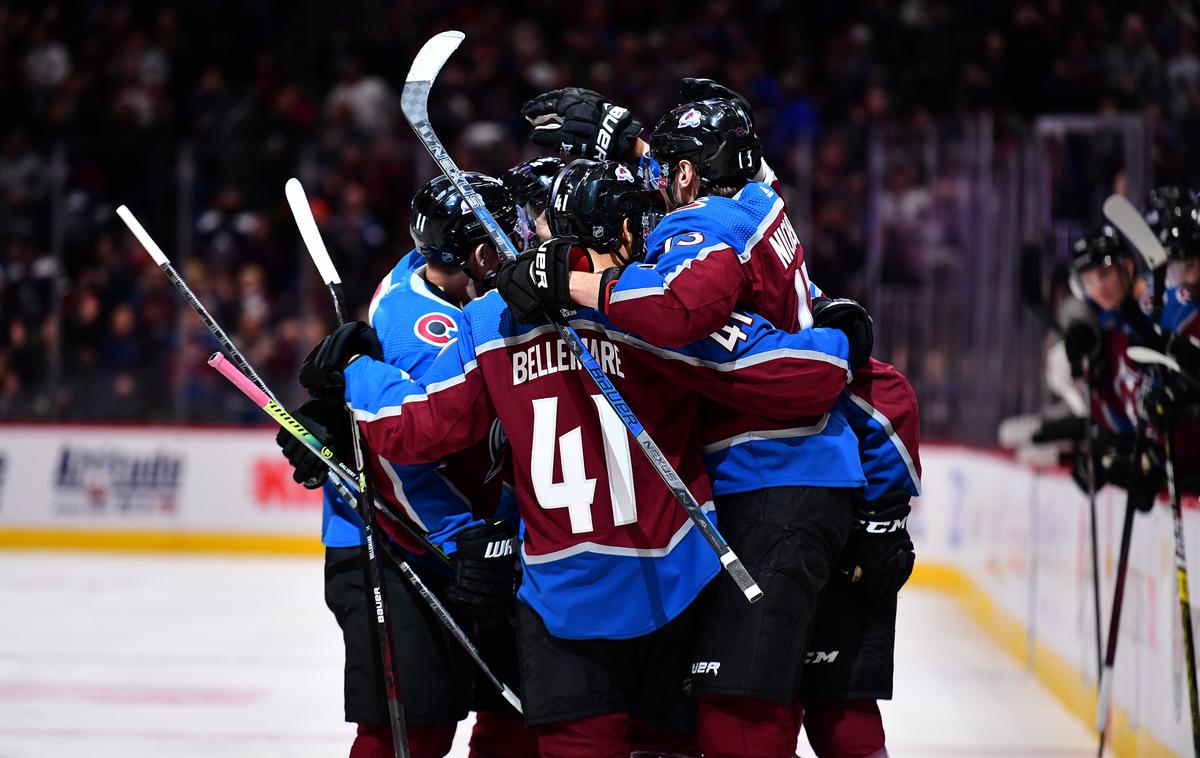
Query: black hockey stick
x=1153 y=358
x=1126 y=218
x=414 y=103
x=338 y=470
x=1089 y=449
x=251 y=378
x=307 y=225
x=1105 y=675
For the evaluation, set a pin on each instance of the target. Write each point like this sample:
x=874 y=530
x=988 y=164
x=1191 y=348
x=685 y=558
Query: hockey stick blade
x=414 y=103
x=1149 y=357
x=433 y=56
x=1121 y=213
x=307 y=225
x=1145 y=355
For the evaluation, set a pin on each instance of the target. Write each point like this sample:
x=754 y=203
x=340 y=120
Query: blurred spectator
x=195 y=114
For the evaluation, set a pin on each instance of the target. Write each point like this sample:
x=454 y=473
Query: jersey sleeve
x=685 y=295
x=406 y=420
x=750 y=364
x=881 y=408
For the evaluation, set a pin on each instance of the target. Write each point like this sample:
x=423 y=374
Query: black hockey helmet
x=1173 y=215
x=1103 y=247
x=442 y=225
x=716 y=136
x=591 y=200
x=529 y=181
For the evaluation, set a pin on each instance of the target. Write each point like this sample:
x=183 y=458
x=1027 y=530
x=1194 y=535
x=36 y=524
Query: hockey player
x=726 y=220
x=611 y=562
x=800 y=479
x=415 y=312
x=848 y=666
x=529 y=181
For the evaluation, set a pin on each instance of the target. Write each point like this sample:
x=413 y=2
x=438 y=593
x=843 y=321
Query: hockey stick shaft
x=415 y=106
x=1090 y=451
x=1181 y=584
x=297 y=430
x=378 y=589
x=307 y=224
x=1114 y=622
x=348 y=477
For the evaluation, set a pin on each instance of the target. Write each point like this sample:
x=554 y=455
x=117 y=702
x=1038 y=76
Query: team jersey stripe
x=888 y=429
x=754 y=359
x=430 y=389
x=700 y=255
x=385 y=286
x=767 y=222
x=767 y=434
x=398 y=491
x=621 y=551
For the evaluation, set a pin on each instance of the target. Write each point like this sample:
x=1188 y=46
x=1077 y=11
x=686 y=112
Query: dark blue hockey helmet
x=716 y=136
x=1173 y=215
x=443 y=227
x=591 y=200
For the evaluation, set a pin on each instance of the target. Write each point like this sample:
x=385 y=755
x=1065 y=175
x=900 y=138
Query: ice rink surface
x=113 y=656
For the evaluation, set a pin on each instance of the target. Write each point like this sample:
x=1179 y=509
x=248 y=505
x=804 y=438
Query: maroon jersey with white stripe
x=708 y=258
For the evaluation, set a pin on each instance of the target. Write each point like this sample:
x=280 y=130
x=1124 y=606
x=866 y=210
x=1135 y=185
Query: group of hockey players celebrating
x=1133 y=408
x=586 y=584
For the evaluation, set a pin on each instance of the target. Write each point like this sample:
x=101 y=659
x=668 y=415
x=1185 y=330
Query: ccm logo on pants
x=817 y=656
x=706 y=667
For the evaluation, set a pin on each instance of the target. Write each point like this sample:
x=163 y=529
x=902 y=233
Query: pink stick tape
x=240 y=380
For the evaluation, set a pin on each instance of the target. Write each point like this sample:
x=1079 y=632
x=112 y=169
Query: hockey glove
x=1185 y=351
x=540 y=280
x=1081 y=339
x=852 y=319
x=485 y=572
x=879 y=555
x=581 y=122
x=329 y=422
x=706 y=89
x=321 y=371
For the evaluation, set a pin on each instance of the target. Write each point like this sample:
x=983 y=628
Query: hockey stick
x=378 y=588
x=1114 y=620
x=414 y=103
x=297 y=430
x=1089 y=450
x=1126 y=218
x=252 y=379
x=338 y=470
x=302 y=211
x=1130 y=223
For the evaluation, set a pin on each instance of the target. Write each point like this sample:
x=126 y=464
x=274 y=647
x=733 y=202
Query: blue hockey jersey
x=607 y=551
x=414 y=324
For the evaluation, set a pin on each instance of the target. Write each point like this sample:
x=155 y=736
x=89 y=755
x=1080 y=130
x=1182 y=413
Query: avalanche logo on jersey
x=624 y=174
x=435 y=328
x=689 y=119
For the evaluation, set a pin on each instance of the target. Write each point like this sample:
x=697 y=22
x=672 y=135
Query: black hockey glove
x=879 y=555
x=1143 y=476
x=852 y=319
x=577 y=121
x=1185 y=351
x=694 y=89
x=485 y=572
x=540 y=280
x=329 y=422
x=321 y=371
x=1081 y=339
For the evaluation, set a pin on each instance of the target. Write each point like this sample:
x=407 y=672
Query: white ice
x=178 y=656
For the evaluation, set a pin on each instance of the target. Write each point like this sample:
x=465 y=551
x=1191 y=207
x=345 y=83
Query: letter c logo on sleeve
x=435 y=328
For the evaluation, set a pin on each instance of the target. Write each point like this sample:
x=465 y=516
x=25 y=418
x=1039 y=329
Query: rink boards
x=1009 y=540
